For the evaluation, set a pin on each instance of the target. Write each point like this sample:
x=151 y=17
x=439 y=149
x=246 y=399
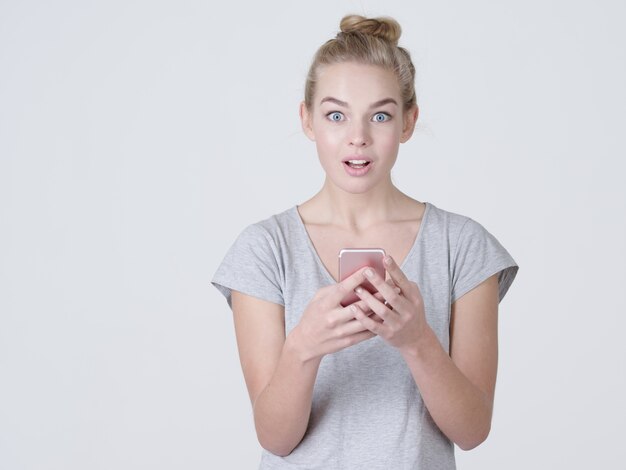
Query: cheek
x=328 y=141
x=388 y=139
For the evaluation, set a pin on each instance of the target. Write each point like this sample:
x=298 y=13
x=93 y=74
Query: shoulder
x=451 y=223
x=272 y=229
x=464 y=235
x=475 y=254
x=254 y=264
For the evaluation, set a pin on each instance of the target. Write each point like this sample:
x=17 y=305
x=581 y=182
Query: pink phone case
x=353 y=259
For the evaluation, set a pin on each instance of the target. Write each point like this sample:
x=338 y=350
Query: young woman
x=394 y=380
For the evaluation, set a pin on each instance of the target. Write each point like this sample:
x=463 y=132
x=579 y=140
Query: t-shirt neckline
x=321 y=265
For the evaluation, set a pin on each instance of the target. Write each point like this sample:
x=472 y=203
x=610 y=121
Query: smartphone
x=353 y=259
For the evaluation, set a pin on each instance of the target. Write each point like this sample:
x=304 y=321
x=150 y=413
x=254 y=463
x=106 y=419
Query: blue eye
x=381 y=117
x=335 y=116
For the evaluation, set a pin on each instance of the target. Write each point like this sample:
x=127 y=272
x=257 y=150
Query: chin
x=355 y=187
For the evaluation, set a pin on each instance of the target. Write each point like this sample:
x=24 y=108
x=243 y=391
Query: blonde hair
x=368 y=41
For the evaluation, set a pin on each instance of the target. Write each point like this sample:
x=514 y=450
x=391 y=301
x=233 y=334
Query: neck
x=359 y=211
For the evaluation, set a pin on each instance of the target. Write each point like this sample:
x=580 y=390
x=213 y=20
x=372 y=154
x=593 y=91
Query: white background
x=138 y=138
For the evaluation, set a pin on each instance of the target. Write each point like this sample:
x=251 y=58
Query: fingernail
x=353 y=308
x=397 y=289
x=387 y=260
x=358 y=290
x=369 y=272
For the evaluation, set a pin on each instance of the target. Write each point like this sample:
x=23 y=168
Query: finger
x=368 y=311
x=372 y=325
x=374 y=317
x=363 y=305
x=399 y=278
x=359 y=337
x=352 y=327
x=391 y=283
x=377 y=306
x=390 y=294
x=340 y=290
x=342 y=286
x=345 y=287
x=345 y=314
x=380 y=297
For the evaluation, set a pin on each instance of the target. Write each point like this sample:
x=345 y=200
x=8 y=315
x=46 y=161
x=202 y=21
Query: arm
x=280 y=372
x=279 y=381
x=458 y=389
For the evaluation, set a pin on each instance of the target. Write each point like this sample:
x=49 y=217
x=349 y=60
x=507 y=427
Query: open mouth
x=357 y=163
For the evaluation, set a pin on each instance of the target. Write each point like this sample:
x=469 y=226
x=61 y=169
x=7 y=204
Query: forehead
x=356 y=83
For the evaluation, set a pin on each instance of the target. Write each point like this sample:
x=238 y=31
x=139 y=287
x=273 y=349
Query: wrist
x=296 y=348
x=421 y=344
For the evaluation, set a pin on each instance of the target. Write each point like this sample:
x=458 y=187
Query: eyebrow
x=330 y=99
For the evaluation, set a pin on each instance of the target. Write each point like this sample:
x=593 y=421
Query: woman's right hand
x=326 y=326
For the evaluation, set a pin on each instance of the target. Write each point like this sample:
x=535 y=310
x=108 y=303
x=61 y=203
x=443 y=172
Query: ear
x=305 y=119
x=410 y=119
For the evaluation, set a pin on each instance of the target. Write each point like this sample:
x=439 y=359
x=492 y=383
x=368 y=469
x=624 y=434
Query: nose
x=359 y=136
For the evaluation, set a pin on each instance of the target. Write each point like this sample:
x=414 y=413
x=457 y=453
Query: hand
x=403 y=315
x=326 y=326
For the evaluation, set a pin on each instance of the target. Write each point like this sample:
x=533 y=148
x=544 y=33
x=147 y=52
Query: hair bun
x=383 y=27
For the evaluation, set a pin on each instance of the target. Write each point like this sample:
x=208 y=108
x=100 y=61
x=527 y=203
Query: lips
x=356 y=167
x=357 y=161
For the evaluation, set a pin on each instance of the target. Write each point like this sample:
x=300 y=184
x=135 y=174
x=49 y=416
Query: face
x=357 y=123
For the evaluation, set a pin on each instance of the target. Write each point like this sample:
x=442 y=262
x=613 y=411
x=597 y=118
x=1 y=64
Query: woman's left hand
x=403 y=315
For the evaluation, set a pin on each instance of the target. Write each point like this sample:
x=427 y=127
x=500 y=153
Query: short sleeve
x=251 y=266
x=478 y=256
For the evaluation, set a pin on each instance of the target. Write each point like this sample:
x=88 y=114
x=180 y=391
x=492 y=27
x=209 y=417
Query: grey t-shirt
x=367 y=411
